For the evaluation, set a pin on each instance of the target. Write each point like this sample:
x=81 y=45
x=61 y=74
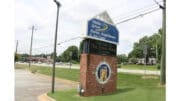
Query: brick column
x=88 y=82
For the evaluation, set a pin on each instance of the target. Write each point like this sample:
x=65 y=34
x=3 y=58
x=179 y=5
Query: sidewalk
x=135 y=71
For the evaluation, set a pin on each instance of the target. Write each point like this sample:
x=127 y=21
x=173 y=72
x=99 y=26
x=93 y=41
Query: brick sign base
x=88 y=81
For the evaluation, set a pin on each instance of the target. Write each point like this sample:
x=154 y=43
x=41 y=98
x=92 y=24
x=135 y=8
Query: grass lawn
x=134 y=66
x=130 y=87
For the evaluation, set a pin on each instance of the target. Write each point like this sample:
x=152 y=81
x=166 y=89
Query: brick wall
x=88 y=65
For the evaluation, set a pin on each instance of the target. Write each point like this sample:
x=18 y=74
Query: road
x=29 y=86
x=120 y=70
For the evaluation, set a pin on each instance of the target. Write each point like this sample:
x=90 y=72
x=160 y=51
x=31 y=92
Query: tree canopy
x=71 y=53
x=153 y=44
x=122 y=58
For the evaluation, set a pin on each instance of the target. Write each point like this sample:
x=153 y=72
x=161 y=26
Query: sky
x=73 y=17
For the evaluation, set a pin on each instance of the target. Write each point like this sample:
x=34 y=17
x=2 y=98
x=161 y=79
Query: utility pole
x=145 y=56
x=16 y=47
x=70 y=54
x=16 y=51
x=55 y=43
x=163 y=57
x=30 y=51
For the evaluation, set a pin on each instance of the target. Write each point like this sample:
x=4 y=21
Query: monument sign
x=98 y=63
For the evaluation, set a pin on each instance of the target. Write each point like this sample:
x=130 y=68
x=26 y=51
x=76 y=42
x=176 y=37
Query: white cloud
x=73 y=15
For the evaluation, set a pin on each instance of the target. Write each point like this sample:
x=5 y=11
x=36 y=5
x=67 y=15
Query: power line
x=156 y=2
x=68 y=40
x=160 y=6
x=136 y=13
x=138 y=10
x=43 y=47
x=50 y=45
x=126 y=20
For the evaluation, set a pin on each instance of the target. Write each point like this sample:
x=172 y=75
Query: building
x=40 y=60
x=150 y=61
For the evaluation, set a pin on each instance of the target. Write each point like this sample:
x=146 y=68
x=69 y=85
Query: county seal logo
x=103 y=72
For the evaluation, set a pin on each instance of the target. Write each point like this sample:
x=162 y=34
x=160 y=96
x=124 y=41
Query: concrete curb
x=45 y=97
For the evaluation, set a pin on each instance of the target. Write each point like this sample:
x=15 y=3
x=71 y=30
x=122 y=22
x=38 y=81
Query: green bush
x=119 y=66
x=125 y=63
x=158 y=66
x=133 y=60
x=74 y=62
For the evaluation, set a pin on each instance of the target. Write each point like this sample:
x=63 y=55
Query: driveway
x=28 y=86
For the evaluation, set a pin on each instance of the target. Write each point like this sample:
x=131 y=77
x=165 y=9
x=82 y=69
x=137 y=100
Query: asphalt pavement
x=29 y=86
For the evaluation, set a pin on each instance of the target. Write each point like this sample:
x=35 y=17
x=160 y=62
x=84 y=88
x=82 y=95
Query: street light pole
x=55 y=42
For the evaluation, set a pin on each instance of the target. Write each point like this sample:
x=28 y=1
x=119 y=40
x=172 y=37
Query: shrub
x=119 y=66
x=133 y=60
x=158 y=66
x=139 y=63
x=74 y=62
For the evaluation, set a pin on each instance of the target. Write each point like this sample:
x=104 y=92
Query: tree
x=21 y=57
x=122 y=58
x=59 y=58
x=16 y=57
x=153 y=43
x=133 y=60
x=52 y=55
x=66 y=55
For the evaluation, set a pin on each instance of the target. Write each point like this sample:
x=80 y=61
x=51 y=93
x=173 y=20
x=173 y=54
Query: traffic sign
x=145 y=50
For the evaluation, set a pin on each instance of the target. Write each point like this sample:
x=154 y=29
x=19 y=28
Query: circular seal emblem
x=103 y=72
